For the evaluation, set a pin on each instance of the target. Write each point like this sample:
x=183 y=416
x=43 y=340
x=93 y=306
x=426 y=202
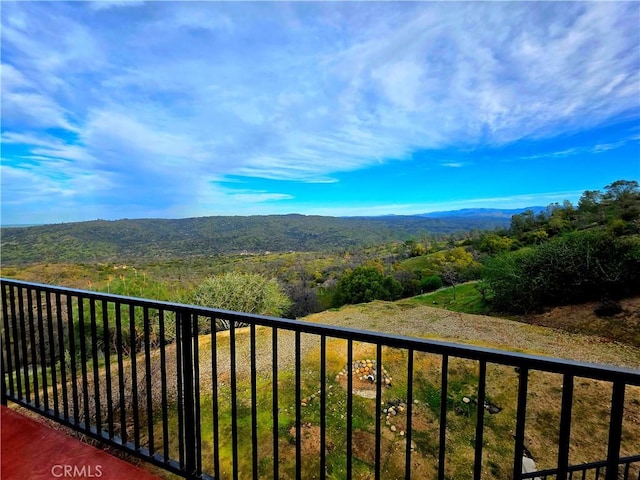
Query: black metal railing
x=286 y=398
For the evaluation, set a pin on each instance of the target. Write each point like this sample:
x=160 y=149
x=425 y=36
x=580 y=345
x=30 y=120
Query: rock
x=393 y=428
x=303 y=404
x=416 y=402
x=400 y=408
x=528 y=466
x=402 y=433
x=466 y=399
x=388 y=423
x=384 y=410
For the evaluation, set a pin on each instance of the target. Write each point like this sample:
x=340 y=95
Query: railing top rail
x=490 y=355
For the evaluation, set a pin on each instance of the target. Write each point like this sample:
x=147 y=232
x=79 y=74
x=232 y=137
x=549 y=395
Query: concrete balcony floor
x=30 y=450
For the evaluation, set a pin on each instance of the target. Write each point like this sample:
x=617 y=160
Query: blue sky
x=129 y=109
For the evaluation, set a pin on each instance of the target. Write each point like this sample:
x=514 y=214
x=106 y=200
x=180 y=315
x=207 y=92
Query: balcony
x=276 y=398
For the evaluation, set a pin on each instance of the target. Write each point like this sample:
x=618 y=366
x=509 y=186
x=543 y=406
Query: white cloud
x=259 y=197
x=107 y=4
x=33 y=110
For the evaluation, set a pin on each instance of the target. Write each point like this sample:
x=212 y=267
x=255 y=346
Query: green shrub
x=241 y=292
x=430 y=283
x=574 y=268
x=365 y=284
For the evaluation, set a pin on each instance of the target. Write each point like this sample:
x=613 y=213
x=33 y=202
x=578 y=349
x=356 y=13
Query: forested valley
x=294 y=265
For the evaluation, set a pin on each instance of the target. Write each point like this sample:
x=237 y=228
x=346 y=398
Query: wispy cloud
x=598 y=148
x=453 y=164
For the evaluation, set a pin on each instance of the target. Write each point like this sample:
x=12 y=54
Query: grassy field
x=543 y=409
x=467 y=299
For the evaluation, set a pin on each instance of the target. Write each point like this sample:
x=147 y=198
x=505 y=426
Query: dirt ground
x=623 y=327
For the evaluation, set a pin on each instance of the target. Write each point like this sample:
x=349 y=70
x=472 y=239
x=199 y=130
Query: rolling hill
x=102 y=240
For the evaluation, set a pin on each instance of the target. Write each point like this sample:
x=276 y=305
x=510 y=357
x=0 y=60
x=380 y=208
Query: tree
x=576 y=267
x=621 y=189
x=623 y=199
x=365 y=284
x=493 y=243
x=430 y=283
x=241 y=292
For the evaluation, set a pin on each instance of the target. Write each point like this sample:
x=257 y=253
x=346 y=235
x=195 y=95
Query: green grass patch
x=468 y=299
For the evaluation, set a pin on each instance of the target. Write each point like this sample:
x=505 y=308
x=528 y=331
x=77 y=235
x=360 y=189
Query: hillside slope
x=120 y=240
x=404 y=318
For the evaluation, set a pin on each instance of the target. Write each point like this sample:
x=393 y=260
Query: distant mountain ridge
x=482 y=212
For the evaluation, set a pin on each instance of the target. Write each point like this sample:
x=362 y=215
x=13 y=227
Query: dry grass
x=590 y=408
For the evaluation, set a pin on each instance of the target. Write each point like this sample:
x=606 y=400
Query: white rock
x=528 y=466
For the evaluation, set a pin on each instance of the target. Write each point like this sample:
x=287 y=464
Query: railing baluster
x=409 y=414
x=63 y=357
x=32 y=348
x=521 y=415
x=564 y=440
x=323 y=406
x=298 y=422
x=7 y=341
x=274 y=365
x=214 y=392
x=444 y=386
x=147 y=374
x=133 y=341
x=83 y=364
x=72 y=355
x=254 y=403
x=23 y=338
x=96 y=369
x=163 y=386
x=52 y=353
x=107 y=366
x=187 y=372
x=196 y=396
x=43 y=356
x=3 y=382
x=615 y=430
x=477 y=465
x=379 y=380
x=349 y=405
x=16 y=342
x=123 y=411
x=234 y=398
x=179 y=376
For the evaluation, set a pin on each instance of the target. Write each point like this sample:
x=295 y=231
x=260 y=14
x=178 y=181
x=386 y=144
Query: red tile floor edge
x=30 y=450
